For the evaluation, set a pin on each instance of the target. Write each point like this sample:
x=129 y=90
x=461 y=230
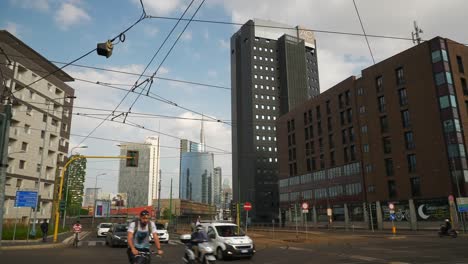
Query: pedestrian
x=44 y=229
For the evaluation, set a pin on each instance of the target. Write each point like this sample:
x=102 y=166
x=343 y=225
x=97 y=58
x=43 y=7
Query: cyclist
x=77 y=230
x=138 y=236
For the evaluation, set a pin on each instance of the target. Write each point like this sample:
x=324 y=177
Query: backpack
x=137 y=224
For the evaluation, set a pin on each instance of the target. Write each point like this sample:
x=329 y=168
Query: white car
x=102 y=229
x=228 y=240
x=162 y=234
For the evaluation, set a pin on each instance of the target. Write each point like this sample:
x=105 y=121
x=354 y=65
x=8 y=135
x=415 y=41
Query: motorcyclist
x=199 y=236
x=447 y=226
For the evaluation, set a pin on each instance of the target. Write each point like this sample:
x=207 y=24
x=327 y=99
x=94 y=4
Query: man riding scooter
x=199 y=236
x=446 y=227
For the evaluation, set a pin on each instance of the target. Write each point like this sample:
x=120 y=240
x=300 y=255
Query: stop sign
x=247 y=206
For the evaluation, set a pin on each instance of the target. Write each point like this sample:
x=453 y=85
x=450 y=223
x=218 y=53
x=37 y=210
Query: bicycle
x=144 y=257
x=76 y=240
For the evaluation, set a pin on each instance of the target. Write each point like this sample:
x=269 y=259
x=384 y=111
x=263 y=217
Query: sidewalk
x=63 y=240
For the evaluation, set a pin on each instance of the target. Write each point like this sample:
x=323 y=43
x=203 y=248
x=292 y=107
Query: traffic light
x=62 y=206
x=105 y=49
x=132 y=158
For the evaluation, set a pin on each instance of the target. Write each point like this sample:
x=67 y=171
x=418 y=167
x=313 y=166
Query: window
x=381 y=101
x=362 y=109
x=387 y=145
x=349 y=114
x=22 y=164
x=27 y=129
x=133 y=161
x=415 y=186
x=379 y=84
x=329 y=124
x=352 y=150
x=24 y=146
x=38 y=168
x=342 y=118
x=384 y=124
x=29 y=110
x=409 y=140
x=351 y=134
x=405 y=118
x=392 y=189
x=400 y=76
x=328 y=107
x=317 y=110
x=360 y=91
x=436 y=56
x=389 y=167
x=319 y=128
x=332 y=159
x=411 y=162
x=368 y=168
x=345 y=154
x=464 y=87
x=19 y=183
x=402 y=97
x=447 y=101
x=344 y=136
x=365 y=148
x=340 y=100
x=309 y=168
x=44 y=118
x=460 y=64
x=364 y=129
x=330 y=141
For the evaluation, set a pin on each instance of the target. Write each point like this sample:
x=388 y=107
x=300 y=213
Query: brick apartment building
x=395 y=134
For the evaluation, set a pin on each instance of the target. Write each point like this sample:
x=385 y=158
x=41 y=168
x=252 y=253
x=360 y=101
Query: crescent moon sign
x=421 y=212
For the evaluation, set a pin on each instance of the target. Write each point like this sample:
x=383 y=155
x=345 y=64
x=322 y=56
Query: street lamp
x=95 y=194
x=66 y=189
x=48 y=101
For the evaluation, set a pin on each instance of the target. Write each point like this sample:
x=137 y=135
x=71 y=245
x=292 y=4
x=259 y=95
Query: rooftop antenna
x=415 y=35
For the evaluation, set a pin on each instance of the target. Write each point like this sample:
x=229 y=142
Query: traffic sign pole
x=246 y=219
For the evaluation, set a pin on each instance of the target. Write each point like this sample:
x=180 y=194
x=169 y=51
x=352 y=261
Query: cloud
x=69 y=15
x=340 y=55
x=224 y=44
x=186 y=36
x=13 y=28
x=40 y=5
x=150 y=31
x=159 y=7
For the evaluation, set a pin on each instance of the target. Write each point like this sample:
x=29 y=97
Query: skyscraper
x=217 y=186
x=273 y=69
x=139 y=177
x=196 y=177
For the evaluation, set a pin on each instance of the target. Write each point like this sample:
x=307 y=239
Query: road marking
x=91 y=243
x=363 y=258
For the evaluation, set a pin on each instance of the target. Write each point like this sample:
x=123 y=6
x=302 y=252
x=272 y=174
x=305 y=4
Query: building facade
x=217 y=186
x=139 y=177
x=196 y=179
x=273 y=69
x=40 y=125
x=395 y=134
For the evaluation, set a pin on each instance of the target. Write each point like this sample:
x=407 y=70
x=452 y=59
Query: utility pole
x=5 y=117
x=415 y=35
x=33 y=231
x=170 y=205
x=159 y=195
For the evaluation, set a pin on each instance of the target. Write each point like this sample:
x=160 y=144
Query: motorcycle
x=205 y=252
x=451 y=232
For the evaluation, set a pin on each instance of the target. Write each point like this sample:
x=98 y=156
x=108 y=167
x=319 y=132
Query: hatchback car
x=162 y=234
x=102 y=229
x=117 y=235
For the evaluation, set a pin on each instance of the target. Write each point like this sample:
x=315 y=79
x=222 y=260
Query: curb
x=66 y=242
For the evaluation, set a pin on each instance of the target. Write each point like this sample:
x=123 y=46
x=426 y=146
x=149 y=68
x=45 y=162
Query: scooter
x=205 y=252
x=451 y=232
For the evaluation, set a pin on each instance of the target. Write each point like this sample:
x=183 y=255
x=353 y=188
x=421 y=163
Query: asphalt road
x=364 y=249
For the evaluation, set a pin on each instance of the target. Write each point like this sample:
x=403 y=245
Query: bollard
x=394 y=230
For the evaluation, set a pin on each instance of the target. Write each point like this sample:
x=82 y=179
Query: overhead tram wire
x=364 y=31
x=143 y=16
x=123 y=99
x=167 y=54
x=152 y=130
x=125 y=72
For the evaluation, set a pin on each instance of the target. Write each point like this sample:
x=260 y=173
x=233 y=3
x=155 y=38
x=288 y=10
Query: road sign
x=247 y=206
x=392 y=217
x=462 y=204
x=305 y=206
x=305 y=211
x=450 y=198
x=392 y=211
x=26 y=199
x=391 y=206
x=329 y=212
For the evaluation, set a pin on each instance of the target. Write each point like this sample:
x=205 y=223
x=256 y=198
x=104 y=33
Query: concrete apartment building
x=40 y=125
x=139 y=177
x=273 y=69
x=393 y=135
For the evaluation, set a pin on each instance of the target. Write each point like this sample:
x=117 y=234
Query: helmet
x=199 y=227
x=447 y=220
x=144 y=213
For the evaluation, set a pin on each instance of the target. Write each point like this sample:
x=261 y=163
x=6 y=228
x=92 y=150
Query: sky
x=65 y=30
